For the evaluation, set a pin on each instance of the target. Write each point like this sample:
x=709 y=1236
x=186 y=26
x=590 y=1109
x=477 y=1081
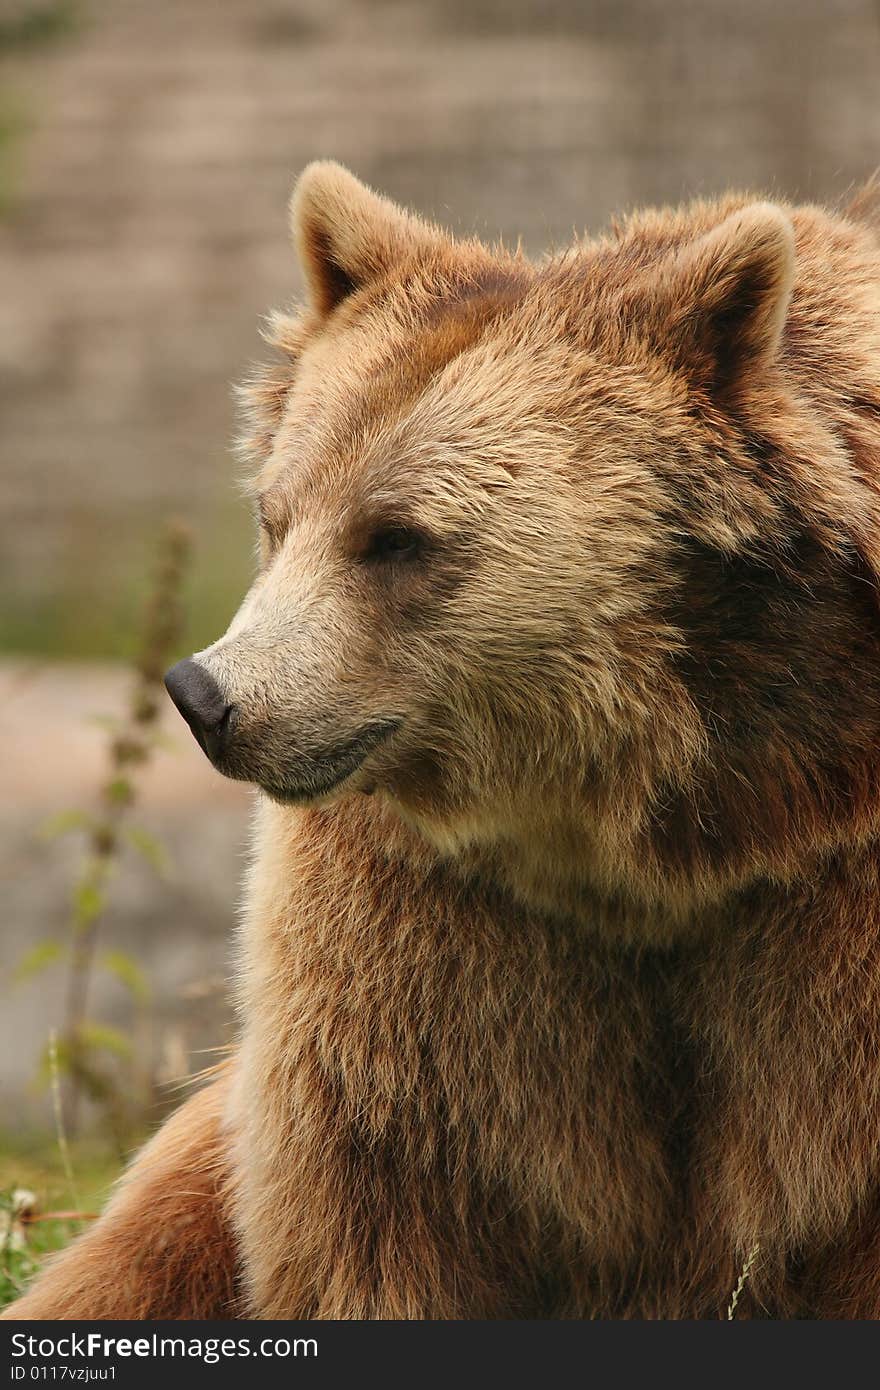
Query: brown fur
x=164 y=1247
x=581 y=1004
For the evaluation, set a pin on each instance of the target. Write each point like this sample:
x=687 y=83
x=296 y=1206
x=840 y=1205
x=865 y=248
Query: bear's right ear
x=346 y=235
x=719 y=305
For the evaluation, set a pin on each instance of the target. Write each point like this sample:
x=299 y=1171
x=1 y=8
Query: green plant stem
x=78 y=982
x=130 y=749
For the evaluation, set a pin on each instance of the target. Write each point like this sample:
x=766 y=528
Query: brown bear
x=560 y=965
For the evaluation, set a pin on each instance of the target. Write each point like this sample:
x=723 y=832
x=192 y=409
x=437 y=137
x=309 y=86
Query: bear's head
x=564 y=561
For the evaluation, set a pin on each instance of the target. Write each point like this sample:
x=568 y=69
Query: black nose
x=202 y=704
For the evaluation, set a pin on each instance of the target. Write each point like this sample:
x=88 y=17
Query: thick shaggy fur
x=164 y=1248
x=573 y=567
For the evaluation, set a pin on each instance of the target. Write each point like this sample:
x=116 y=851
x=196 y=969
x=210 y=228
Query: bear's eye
x=394 y=543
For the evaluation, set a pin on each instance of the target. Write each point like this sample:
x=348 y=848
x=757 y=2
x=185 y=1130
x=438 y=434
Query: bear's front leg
x=164 y=1248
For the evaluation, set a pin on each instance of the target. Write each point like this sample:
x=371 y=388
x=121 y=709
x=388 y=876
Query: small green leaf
x=128 y=972
x=63 y=823
x=88 y=904
x=149 y=847
x=119 y=791
x=100 y=1037
x=38 y=959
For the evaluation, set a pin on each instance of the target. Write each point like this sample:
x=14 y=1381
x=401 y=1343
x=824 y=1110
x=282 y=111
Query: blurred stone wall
x=173 y=920
x=143 y=232
x=146 y=230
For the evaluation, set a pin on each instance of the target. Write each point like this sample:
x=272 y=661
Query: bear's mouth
x=320 y=774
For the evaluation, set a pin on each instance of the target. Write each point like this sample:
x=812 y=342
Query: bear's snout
x=202 y=704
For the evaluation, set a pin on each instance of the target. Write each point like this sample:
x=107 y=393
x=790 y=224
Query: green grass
x=34 y=1164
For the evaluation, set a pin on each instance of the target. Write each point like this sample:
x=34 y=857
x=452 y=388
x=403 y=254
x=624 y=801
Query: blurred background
x=147 y=148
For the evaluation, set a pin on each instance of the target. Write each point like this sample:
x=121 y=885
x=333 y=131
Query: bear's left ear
x=347 y=236
x=719 y=305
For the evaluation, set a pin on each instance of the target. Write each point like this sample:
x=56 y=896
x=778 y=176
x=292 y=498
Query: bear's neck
x=385 y=993
x=675 y=865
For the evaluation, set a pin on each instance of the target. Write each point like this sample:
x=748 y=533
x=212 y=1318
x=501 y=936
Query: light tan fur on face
x=574 y=417
x=580 y=1005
